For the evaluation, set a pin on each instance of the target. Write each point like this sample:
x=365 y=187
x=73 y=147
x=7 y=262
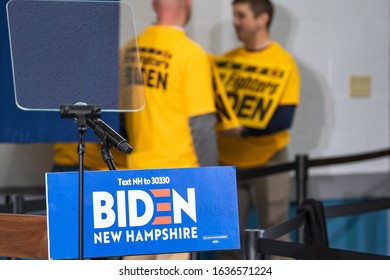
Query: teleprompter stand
x=81 y=113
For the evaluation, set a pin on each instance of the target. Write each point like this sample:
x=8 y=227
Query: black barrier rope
x=348 y=159
x=357 y=208
x=286 y=227
x=250 y=173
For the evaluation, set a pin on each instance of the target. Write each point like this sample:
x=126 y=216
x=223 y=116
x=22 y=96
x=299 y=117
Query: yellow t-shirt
x=177 y=86
x=271 y=69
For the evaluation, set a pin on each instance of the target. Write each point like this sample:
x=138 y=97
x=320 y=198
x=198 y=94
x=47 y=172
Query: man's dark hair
x=258 y=7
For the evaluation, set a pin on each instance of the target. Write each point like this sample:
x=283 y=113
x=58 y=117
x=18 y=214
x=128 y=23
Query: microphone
x=105 y=132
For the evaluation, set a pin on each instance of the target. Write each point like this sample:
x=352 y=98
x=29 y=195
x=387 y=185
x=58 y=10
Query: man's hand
x=234 y=132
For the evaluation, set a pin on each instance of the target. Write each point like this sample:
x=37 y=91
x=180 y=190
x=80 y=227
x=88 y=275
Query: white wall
x=330 y=40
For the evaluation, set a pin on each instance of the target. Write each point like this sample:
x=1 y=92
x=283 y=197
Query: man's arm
x=281 y=120
x=205 y=139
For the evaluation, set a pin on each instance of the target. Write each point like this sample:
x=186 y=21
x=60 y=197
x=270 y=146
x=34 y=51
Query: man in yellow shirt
x=262 y=81
x=177 y=126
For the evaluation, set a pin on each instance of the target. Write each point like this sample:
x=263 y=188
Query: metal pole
x=250 y=250
x=81 y=151
x=301 y=176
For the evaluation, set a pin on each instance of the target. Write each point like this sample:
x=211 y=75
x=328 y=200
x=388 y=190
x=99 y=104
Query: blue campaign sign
x=137 y=212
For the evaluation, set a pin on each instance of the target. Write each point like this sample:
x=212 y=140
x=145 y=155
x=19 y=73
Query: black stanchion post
x=17 y=203
x=250 y=250
x=301 y=176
